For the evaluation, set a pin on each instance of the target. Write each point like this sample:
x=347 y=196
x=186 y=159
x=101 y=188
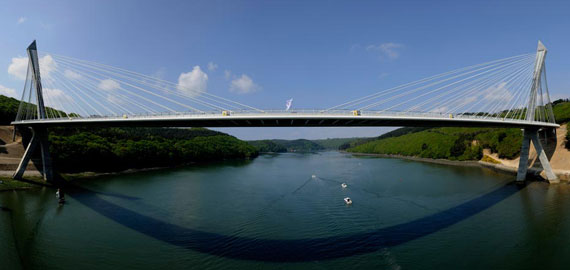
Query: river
x=286 y=211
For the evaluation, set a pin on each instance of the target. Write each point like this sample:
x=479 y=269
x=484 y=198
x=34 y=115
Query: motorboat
x=313 y=176
x=343 y=185
x=347 y=200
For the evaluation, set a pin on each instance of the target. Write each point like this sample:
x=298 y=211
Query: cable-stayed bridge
x=508 y=92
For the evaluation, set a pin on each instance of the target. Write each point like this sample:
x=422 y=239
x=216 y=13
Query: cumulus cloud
x=19 y=67
x=9 y=92
x=243 y=85
x=212 y=66
x=388 y=50
x=108 y=85
x=193 y=82
x=22 y=20
x=71 y=74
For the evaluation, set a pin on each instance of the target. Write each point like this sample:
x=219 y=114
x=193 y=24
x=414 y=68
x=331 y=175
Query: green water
x=271 y=213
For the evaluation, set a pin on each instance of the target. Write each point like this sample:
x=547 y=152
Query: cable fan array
x=495 y=89
x=79 y=88
x=500 y=89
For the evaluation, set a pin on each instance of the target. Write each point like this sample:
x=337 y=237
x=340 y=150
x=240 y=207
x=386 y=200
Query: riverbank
x=555 y=148
x=534 y=173
x=9 y=184
x=470 y=163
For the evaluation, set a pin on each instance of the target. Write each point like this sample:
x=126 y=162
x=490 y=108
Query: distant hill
x=303 y=145
x=279 y=146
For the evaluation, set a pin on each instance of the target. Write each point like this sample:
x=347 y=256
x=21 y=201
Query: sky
x=262 y=53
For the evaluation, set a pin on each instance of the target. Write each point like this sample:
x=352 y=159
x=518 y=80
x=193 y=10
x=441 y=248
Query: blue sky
x=320 y=53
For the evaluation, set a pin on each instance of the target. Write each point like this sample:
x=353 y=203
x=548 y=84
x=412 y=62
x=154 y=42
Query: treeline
x=302 y=145
x=454 y=143
x=9 y=110
x=280 y=146
x=116 y=149
x=448 y=143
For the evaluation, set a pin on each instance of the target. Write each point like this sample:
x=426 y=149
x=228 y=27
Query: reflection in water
x=291 y=250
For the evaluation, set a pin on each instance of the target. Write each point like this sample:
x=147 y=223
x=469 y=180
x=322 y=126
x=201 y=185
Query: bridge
x=508 y=92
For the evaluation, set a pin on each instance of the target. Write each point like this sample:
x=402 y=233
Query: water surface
x=271 y=213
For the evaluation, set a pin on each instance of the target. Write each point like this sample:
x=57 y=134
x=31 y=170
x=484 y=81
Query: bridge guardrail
x=312 y=112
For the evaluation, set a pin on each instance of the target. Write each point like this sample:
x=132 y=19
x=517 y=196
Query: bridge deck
x=290 y=119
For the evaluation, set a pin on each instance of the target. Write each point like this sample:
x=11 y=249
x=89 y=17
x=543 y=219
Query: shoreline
x=464 y=163
x=31 y=181
x=533 y=173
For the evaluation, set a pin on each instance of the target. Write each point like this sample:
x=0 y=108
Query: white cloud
x=22 y=20
x=212 y=66
x=58 y=97
x=243 y=85
x=47 y=65
x=71 y=74
x=19 y=67
x=9 y=92
x=108 y=85
x=227 y=74
x=193 y=82
x=388 y=49
x=498 y=93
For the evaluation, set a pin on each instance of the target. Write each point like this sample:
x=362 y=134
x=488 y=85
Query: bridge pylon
x=536 y=99
x=39 y=134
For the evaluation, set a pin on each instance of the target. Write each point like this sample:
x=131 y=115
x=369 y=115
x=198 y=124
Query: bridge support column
x=532 y=135
x=39 y=137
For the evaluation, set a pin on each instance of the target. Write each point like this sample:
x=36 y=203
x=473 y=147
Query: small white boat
x=314 y=176
x=343 y=185
x=347 y=200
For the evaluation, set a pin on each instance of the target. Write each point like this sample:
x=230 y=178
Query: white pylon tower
x=536 y=98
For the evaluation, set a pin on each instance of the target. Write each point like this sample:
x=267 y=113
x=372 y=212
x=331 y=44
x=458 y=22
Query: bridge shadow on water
x=296 y=250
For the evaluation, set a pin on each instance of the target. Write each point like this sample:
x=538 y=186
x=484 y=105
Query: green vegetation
x=115 y=149
x=336 y=143
x=11 y=184
x=302 y=145
x=279 y=146
x=448 y=143
x=454 y=143
x=9 y=109
x=561 y=109
x=268 y=146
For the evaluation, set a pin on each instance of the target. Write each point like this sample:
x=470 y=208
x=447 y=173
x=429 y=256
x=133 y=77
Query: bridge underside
x=285 y=121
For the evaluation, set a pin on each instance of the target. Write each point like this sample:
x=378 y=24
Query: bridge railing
x=300 y=112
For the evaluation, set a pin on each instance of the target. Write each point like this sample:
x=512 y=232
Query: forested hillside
x=454 y=143
x=114 y=149
x=279 y=146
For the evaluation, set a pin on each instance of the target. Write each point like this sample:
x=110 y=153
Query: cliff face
x=555 y=149
x=11 y=152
